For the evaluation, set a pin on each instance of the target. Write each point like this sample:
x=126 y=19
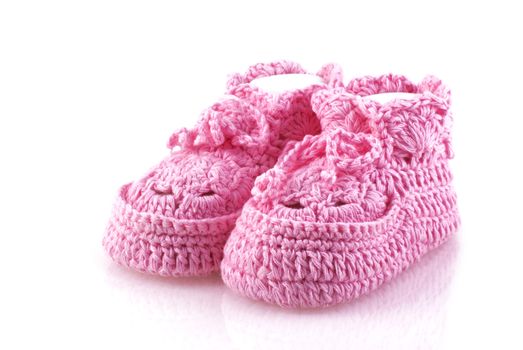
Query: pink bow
x=346 y=152
x=231 y=120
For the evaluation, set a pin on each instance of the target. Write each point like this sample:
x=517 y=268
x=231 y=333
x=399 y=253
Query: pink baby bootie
x=348 y=209
x=175 y=220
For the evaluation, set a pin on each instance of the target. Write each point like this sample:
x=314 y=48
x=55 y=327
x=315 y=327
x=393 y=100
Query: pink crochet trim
x=163 y=245
x=176 y=219
x=346 y=210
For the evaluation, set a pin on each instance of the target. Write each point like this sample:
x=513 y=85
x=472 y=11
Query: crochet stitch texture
x=348 y=209
x=175 y=220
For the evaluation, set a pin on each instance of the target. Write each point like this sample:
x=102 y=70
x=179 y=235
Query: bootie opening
x=278 y=84
x=414 y=125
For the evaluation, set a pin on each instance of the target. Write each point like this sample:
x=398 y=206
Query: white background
x=90 y=91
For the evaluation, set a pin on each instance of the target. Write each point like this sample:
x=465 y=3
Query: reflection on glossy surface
x=182 y=312
x=144 y=311
x=407 y=313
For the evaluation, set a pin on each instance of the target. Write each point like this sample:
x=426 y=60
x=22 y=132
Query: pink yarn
x=348 y=209
x=176 y=219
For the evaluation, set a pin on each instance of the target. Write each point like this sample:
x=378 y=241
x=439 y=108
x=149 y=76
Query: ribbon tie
x=230 y=120
x=346 y=152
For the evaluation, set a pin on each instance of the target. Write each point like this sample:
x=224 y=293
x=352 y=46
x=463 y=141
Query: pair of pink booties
x=305 y=198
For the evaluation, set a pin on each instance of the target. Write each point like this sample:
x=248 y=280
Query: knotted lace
x=346 y=153
x=232 y=121
x=242 y=119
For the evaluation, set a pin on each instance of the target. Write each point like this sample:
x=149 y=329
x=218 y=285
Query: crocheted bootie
x=348 y=209
x=176 y=219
